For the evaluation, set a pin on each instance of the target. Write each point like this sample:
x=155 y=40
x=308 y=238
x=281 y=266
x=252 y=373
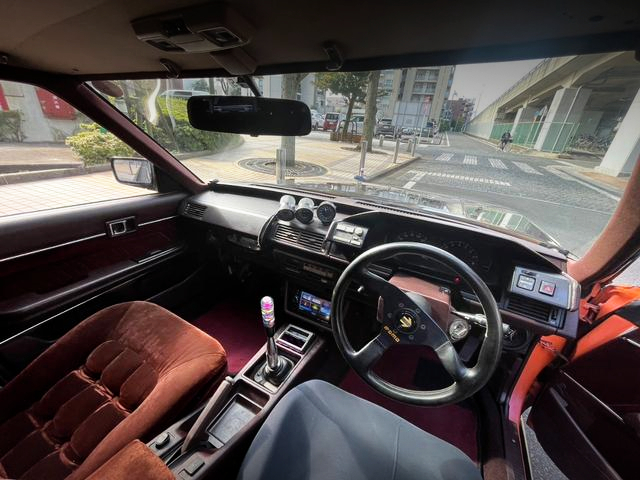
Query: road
x=570 y=210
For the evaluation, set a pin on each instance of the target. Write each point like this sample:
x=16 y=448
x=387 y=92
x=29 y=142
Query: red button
x=547 y=288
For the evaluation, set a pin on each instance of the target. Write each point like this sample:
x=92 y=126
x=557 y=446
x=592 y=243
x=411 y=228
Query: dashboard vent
x=529 y=308
x=194 y=210
x=301 y=238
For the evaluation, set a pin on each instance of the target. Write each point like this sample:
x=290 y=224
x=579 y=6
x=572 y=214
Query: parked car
x=385 y=128
x=317 y=119
x=331 y=121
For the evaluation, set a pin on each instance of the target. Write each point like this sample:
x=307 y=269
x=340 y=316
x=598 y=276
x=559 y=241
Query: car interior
x=223 y=329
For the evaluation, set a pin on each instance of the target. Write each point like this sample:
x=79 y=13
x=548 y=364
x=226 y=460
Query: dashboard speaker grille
x=195 y=210
x=302 y=238
x=529 y=308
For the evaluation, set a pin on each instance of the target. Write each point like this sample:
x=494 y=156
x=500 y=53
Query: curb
x=392 y=169
x=13 y=178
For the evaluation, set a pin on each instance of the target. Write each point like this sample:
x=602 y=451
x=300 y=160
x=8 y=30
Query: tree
x=371 y=108
x=290 y=84
x=201 y=85
x=352 y=86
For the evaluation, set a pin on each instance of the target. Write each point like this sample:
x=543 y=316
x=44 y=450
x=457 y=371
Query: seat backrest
x=105 y=383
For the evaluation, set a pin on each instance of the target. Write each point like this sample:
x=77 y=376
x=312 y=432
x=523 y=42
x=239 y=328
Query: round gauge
x=304 y=210
x=326 y=212
x=463 y=251
x=411 y=236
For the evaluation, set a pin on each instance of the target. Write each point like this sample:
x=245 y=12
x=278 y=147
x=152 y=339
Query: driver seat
x=319 y=431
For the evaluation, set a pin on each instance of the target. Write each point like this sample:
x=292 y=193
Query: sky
x=487 y=81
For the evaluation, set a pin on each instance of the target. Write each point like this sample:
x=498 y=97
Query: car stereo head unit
x=308 y=305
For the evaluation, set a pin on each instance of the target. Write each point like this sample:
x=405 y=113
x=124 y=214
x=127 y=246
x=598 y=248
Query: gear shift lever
x=276 y=367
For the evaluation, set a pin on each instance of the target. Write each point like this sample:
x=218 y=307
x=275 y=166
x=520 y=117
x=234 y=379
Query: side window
x=51 y=155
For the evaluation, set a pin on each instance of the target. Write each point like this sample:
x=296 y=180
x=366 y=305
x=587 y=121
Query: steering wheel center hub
x=406 y=321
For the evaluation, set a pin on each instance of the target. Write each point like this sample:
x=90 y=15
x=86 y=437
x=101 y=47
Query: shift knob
x=266 y=309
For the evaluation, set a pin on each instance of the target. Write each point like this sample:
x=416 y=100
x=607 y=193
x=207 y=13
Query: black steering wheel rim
x=467 y=380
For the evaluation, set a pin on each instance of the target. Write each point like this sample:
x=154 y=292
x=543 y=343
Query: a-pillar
x=624 y=151
x=562 y=119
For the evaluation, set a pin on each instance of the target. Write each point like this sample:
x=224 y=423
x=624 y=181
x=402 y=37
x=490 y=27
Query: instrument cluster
x=465 y=251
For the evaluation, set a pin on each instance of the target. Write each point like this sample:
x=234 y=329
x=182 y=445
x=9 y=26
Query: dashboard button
x=547 y=288
x=526 y=282
x=359 y=231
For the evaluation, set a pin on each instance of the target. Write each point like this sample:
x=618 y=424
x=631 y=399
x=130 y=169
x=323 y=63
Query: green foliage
x=11 y=126
x=351 y=85
x=96 y=146
x=201 y=85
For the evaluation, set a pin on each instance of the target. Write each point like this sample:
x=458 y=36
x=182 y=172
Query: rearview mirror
x=251 y=115
x=134 y=171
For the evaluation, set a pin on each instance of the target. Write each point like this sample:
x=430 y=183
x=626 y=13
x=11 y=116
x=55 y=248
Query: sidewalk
x=341 y=162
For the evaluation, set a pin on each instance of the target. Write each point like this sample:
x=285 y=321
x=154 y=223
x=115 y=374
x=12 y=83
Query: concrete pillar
x=624 y=151
x=524 y=117
x=562 y=119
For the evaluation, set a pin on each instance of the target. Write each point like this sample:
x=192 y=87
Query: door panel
x=54 y=259
x=587 y=417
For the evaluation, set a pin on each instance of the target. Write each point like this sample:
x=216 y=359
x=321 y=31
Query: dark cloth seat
x=108 y=381
x=318 y=431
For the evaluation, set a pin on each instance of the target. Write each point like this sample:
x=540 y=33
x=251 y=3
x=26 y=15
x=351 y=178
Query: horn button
x=406 y=321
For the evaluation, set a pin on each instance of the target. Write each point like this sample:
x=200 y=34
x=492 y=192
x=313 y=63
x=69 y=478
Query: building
x=458 y=112
x=414 y=94
x=43 y=116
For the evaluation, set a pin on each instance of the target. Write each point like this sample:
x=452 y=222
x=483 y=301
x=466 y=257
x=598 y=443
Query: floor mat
x=405 y=367
x=238 y=327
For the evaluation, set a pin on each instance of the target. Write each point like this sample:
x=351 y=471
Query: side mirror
x=134 y=171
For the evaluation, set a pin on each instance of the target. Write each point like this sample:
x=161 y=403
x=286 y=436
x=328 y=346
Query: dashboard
x=310 y=239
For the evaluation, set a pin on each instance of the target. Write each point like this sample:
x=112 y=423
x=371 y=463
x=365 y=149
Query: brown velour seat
x=108 y=381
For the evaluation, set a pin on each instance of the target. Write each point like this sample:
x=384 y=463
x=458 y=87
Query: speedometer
x=463 y=251
x=411 y=236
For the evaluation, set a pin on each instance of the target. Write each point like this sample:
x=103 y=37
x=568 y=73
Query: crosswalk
x=490 y=162
x=444 y=157
x=497 y=163
x=470 y=160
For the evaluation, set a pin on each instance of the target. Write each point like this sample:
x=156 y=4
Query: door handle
x=121 y=226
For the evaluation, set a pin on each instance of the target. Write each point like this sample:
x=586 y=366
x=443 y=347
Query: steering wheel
x=407 y=320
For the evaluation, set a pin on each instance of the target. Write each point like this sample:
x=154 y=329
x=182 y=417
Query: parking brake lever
x=207 y=415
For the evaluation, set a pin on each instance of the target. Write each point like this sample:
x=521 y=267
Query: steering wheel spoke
x=368 y=355
x=451 y=361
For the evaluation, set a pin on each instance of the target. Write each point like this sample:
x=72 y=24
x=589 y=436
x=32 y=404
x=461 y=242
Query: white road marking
x=489 y=181
x=444 y=157
x=470 y=160
x=526 y=168
x=417 y=176
x=497 y=163
x=446 y=136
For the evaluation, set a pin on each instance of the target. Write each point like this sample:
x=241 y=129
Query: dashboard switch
x=526 y=282
x=547 y=288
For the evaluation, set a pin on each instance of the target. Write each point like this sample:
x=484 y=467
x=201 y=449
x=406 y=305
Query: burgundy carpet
x=238 y=328
x=417 y=369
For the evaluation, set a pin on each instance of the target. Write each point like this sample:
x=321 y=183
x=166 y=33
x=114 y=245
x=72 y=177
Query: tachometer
x=411 y=236
x=463 y=251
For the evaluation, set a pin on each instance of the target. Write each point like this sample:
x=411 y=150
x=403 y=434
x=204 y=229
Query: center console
x=197 y=445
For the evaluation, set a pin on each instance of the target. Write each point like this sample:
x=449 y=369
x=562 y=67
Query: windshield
x=539 y=148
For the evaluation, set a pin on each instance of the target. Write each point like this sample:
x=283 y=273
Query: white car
x=185 y=94
x=317 y=120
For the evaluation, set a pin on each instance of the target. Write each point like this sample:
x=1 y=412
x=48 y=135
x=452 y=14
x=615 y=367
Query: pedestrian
x=505 y=140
